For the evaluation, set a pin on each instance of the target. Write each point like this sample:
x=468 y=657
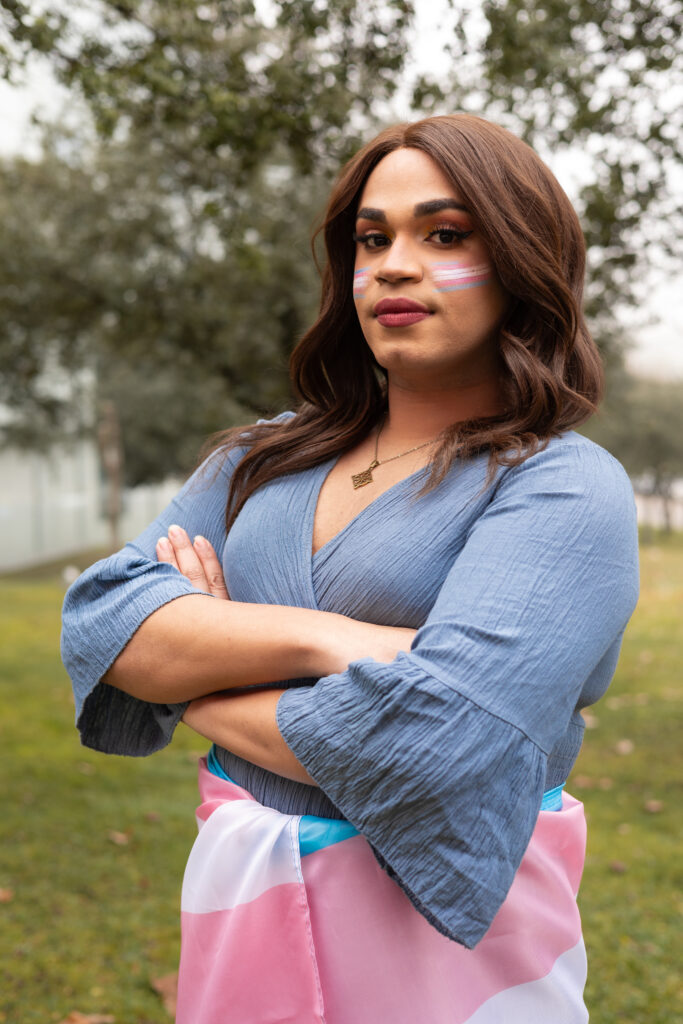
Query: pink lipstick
x=400 y=312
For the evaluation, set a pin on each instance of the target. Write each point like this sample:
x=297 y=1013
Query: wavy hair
x=552 y=373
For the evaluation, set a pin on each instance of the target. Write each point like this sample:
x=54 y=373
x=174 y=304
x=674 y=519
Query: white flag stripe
x=537 y=1002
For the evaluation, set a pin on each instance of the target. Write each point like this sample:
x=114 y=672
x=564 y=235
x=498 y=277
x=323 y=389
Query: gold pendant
x=361 y=479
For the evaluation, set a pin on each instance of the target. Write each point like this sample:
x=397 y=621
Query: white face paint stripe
x=457 y=270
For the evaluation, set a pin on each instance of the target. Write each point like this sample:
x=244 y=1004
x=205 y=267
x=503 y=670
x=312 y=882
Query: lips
x=400 y=312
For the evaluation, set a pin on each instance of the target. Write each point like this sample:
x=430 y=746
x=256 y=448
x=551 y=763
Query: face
x=427 y=296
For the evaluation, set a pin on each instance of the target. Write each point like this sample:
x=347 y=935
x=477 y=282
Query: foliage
x=164 y=252
x=596 y=87
x=94 y=847
x=215 y=79
x=170 y=258
x=642 y=425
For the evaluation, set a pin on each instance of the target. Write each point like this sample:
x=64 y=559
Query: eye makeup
x=360 y=282
x=455 y=276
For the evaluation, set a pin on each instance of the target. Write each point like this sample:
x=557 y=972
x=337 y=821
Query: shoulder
x=573 y=490
x=217 y=468
x=571 y=463
x=282 y=417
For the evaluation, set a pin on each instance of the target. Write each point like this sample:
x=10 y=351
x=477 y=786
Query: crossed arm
x=205 y=649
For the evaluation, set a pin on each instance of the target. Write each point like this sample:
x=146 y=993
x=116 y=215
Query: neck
x=420 y=414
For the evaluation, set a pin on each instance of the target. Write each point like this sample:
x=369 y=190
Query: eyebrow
x=421 y=210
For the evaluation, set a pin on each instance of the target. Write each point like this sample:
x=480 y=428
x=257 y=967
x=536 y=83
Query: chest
x=339 y=502
x=308 y=539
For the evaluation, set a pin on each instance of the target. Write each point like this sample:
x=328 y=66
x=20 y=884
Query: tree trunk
x=111 y=456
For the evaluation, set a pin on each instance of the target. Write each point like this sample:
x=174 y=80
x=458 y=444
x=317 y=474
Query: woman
x=383 y=835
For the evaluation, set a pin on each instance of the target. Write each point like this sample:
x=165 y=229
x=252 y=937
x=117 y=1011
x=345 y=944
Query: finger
x=186 y=558
x=213 y=570
x=165 y=552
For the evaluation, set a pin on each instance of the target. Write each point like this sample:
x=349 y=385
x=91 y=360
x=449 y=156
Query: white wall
x=651 y=511
x=51 y=505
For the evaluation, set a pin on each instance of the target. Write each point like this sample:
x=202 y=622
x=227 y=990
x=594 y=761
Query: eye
x=372 y=240
x=446 y=234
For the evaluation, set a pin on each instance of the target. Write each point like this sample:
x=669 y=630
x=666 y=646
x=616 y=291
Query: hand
x=197 y=561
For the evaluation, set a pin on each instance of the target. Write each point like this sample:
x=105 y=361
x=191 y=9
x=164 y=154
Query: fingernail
x=163 y=545
x=200 y=541
x=176 y=532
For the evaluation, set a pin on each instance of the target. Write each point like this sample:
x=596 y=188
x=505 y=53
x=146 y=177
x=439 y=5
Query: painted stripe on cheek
x=361 y=279
x=453 y=277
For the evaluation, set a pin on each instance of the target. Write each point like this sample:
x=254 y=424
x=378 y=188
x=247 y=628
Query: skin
x=440 y=370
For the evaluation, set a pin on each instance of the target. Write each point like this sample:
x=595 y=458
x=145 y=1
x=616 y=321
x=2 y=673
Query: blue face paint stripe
x=460 y=287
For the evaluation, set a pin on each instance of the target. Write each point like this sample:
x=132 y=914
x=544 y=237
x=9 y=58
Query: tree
x=166 y=253
x=169 y=254
x=599 y=82
x=643 y=428
x=102 y=270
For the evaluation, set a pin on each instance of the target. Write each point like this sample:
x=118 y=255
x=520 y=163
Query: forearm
x=245 y=724
x=198 y=645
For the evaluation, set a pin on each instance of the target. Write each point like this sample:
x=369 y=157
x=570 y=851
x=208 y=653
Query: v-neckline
x=315 y=496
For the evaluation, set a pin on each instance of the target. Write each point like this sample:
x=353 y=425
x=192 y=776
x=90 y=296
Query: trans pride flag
x=290 y=919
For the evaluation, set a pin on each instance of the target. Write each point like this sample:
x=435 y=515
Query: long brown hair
x=552 y=373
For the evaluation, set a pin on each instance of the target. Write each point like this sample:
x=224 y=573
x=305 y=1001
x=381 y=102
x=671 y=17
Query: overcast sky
x=658 y=348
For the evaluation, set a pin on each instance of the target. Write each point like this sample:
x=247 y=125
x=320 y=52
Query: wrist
x=323 y=645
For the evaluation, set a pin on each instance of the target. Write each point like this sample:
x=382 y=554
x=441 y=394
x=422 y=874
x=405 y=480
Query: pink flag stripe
x=251 y=965
x=536 y=925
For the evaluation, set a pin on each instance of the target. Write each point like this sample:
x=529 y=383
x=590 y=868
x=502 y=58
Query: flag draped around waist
x=291 y=919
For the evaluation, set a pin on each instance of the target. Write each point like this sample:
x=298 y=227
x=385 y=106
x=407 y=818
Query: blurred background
x=162 y=166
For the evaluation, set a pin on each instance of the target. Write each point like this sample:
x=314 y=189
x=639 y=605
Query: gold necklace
x=361 y=479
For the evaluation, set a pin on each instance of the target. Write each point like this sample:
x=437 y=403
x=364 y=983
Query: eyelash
x=439 y=229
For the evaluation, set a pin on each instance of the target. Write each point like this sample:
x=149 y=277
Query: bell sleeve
x=107 y=604
x=439 y=758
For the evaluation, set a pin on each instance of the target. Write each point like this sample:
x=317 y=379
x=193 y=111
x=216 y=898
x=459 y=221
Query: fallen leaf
x=118 y=838
x=589 y=720
x=605 y=782
x=6 y=895
x=88 y=1018
x=624 y=828
x=583 y=782
x=653 y=806
x=152 y=816
x=617 y=867
x=624 y=747
x=167 y=988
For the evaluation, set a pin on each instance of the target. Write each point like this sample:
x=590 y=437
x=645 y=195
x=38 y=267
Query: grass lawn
x=93 y=847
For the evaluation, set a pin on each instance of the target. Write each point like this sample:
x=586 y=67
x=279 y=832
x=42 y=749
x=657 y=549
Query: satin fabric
x=269 y=935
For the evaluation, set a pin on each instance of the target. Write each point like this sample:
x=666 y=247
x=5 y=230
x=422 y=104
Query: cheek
x=361 y=279
x=456 y=276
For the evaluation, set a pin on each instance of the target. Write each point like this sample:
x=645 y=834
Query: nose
x=400 y=262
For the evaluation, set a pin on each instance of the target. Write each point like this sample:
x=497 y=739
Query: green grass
x=629 y=778
x=91 y=923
